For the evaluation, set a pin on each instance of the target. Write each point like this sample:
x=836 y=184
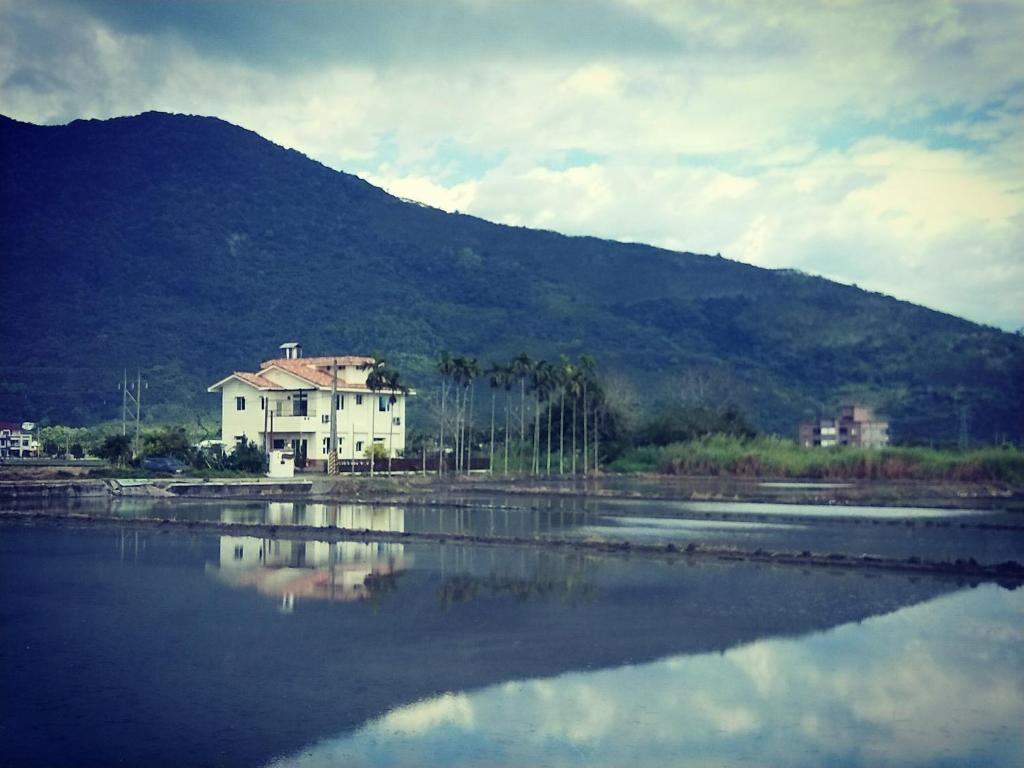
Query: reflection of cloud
x=448 y=709
x=934 y=682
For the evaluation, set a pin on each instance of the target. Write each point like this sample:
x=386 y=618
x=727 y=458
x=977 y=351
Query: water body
x=893 y=532
x=129 y=647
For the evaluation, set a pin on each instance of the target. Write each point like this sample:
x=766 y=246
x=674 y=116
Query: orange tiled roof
x=256 y=380
x=299 y=368
x=309 y=368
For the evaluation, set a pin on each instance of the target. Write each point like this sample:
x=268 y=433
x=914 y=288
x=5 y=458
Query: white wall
x=354 y=420
x=234 y=422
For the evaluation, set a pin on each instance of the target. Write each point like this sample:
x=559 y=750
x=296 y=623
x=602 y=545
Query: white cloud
x=877 y=142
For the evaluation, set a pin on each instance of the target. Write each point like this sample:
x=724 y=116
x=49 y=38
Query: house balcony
x=308 y=423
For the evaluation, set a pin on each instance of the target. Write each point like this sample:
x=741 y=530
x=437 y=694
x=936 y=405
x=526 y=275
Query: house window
x=325 y=419
x=359 y=399
x=238 y=552
x=383 y=403
x=300 y=406
x=339 y=402
x=397 y=421
x=279 y=444
x=239 y=403
x=359 y=444
x=263 y=403
x=327 y=445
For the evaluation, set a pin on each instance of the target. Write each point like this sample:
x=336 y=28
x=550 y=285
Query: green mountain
x=189 y=247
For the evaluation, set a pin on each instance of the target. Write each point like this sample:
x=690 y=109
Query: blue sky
x=875 y=143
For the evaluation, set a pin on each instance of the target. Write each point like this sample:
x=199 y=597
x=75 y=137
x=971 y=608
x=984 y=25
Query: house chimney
x=291 y=350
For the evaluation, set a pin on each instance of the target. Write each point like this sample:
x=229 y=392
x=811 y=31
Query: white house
x=287 y=404
x=336 y=571
x=16 y=440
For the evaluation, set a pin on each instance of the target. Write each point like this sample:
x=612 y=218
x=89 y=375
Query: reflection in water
x=938 y=683
x=930 y=534
x=122 y=650
x=572 y=577
x=334 y=571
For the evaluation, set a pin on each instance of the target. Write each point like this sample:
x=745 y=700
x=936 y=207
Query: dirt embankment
x=74 y=482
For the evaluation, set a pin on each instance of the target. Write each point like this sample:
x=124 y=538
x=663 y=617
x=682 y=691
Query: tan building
x=854 y=425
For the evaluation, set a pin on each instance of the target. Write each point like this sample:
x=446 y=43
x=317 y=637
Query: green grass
x=775 y=457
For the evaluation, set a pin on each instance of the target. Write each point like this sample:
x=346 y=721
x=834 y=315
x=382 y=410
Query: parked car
x=164 y=464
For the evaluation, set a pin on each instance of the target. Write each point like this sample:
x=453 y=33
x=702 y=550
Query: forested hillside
x=189 y=247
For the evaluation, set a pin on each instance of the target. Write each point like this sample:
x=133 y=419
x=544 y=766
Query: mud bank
x=1009 y=573
x=449 y=490
x=53 y=490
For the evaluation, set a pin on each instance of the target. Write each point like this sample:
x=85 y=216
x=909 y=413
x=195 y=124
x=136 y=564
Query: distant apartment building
x=16 y=440
x=854 y=425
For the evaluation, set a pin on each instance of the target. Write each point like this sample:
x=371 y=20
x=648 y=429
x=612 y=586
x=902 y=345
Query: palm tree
x=458 y=369
x=494 y=376
x=445 y=367
x=574 y=386
x=392 y=380
x=470 y=373
x=508 y=377
x=375 y=381
x=563 y=375
x=523 y=367
x=550 y=379
x=599 y=408
x=540 y=380
x=587 y=366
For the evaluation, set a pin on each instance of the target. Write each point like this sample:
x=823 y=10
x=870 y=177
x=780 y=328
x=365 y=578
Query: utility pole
x=124 y=404
x=131 y=405
x=138 y=408
x=332 y=458
x=964 y=436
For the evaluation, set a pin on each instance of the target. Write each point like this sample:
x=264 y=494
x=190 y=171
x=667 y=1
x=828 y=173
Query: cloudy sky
x=876 y=143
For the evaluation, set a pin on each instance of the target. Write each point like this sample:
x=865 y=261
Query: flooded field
x=136 y=647
x=987 y=536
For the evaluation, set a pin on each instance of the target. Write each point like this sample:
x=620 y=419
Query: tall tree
x=445 y=367
x=470 y=373
x=587 y=369
x=564 y=374
x=393 y=382
x=375 y=382
x=598 y=397
x=540 y=384
x=508 y=376
x=550 y=378
x=574 y=387
x=524 y=367
x=494 y=380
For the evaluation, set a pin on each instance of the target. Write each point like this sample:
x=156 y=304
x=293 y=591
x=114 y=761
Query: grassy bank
x=774 y=457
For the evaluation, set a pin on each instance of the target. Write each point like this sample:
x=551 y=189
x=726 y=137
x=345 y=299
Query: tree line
x=559 y=406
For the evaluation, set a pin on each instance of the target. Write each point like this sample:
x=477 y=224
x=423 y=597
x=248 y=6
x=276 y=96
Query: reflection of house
x=16 y=441
x=288 y=404
x=854 y=425
x=336 y=571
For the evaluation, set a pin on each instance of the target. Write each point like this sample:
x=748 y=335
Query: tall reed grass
x=775 y=457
